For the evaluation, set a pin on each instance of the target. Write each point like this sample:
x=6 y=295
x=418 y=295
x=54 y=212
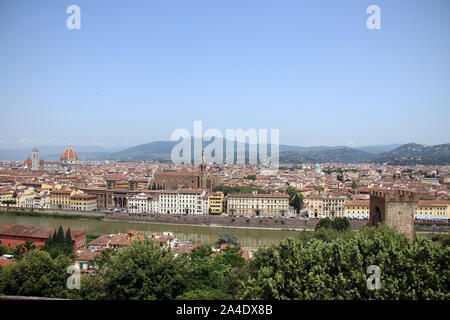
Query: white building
x=142 y=203
x=326 y=206
x=188 y=201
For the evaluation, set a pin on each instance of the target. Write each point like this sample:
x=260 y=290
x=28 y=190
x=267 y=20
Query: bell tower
x=35 y=160
x=203 y=174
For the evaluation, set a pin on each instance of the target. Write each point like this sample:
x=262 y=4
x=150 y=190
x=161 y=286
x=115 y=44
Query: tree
x=337 y=269
x=205 y=294
x=338 y=224
x=211 y=273
x=24 y=248
x=295 y=199
x=3 y=249
x=228 y=238
x=8 y=202
x=37 y=274
x=59 y=244
x=354 y=185
x=144 y=271
x=68 y=237
x=60 y=235
x=325 y=223
x=341 y=224
x=298 y=202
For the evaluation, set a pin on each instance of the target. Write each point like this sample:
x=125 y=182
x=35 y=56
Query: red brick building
x=12 y=235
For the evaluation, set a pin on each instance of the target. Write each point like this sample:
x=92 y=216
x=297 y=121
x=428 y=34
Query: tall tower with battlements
x=394 y=208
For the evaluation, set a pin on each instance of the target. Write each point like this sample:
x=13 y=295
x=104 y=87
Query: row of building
x=198 y=201
x=338 y=206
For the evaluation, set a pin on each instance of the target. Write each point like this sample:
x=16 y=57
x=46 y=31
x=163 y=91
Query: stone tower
x=35 y=165
x=394 y=208
x=203 y=173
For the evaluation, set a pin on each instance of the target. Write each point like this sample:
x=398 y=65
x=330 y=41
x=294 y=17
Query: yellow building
x=253 y=204
x=315 y=206
x=6 y=196
x=60 y=199
x=83 y=202
x=357 y=209
x=433 y=210
x=216 y=203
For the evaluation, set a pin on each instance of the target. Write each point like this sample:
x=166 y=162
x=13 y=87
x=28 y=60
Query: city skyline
x=133 y=75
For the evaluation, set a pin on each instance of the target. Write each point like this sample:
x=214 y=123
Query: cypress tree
x=60 y=236
x=68 y=237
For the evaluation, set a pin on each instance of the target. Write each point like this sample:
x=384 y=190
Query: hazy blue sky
x=137 y=70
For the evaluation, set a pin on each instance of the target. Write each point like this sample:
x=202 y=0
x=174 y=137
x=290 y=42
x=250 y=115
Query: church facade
x=174 y=180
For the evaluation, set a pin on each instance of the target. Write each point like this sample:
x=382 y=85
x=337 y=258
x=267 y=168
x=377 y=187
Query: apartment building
x=254 y=204
x=60 y=199
x=187 y=201
x=216 y=201
x=326 y=206
x=357 y=209
x=83 y=202
x=433 y=210
x=143 y=203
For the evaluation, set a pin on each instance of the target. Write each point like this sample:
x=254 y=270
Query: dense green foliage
x=336 y=269
x=322 y=264
x=58 y=243
x=37 y=274
x=238 y=189
x=145 y=271
x=295 y=198
x=338 y=224
x=213 y=276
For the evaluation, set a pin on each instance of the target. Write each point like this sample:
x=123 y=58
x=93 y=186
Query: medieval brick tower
x=394 y=208
x=35 y=165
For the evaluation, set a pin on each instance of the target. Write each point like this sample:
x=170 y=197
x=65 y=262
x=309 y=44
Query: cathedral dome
x=69 y=154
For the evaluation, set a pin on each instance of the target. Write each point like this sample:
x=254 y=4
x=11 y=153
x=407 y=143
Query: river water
x=254 y=238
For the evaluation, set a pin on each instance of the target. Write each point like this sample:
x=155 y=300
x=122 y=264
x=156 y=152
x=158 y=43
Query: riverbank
x=260 y=223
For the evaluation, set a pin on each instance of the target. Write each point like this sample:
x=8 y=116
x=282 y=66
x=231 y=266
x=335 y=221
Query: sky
x=138 y=70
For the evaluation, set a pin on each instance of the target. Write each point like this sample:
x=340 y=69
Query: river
x=253 y=238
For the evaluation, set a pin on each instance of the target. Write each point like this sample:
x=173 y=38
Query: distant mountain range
x=393 y=154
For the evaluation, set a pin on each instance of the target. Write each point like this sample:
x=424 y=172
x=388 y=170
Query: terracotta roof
x=176 y=173
x=69 y=154
x=87 y=255
x=33 y=231
x=436 y=203
x=357 y=203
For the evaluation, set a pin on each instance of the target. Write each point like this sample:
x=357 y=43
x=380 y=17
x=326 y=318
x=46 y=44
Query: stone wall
x=229 y=221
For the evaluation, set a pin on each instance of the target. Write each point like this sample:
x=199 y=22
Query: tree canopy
x=337 y=269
